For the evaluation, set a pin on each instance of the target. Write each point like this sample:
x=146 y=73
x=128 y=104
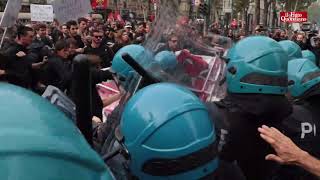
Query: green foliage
x=239 y=5
x=314 y=13
x=296 y=5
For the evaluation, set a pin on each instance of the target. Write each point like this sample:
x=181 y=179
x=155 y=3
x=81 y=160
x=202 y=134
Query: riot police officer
x=307 y=54
x=301 y=125
x=256 y=84
x=40 y=142
x=294 y=51
x=169 y=136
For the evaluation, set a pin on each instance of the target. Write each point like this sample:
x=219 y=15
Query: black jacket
x=57 y=73
x=80 y=43
x=104 y=52
x=18 y=69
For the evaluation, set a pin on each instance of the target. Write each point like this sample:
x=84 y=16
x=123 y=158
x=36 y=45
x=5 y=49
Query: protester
x=18 y=68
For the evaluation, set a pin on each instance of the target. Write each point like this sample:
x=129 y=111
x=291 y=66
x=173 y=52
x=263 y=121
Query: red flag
x=111 y=17
x=118 y=17
x=99 y=4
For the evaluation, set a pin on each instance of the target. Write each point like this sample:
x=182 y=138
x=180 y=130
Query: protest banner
x=41 y=13
x=66 y=10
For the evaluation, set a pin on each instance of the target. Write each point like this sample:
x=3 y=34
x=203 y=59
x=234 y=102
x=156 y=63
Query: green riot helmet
x=258 y=65
x=293 y=49
x=307 y=54
x=40 y=142
x=303 y=75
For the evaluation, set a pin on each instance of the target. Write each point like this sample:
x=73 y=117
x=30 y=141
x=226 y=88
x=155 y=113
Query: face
x=147 y=28
x=141 y=29
x=72 y=49
x=128 y=29
x=106 y=33
x=82 y=25
x=300 y=38
x=173 y=43
x=55 y=24
x=73 y=30
x=317 y=43
x=64 y=29
x=64 y=53
x=97 y=37
x=42 y=32
x=27 y=39
x=113 y=25
x=125 y=37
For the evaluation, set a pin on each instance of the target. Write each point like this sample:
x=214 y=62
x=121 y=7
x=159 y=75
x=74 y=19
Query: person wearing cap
x=128 y=29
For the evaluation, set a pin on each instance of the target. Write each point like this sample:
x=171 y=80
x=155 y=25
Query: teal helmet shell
x=137 y=52
x=167 y=60
x=304 y=74
x=163 y=124
x=307 y=54
x=293 y=49
x=40 y=142
x=258 y=65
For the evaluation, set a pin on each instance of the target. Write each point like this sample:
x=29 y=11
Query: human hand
x=79 y=50
x=96 y=119
x=21 y=54
x=2 y=72
x=287 y=152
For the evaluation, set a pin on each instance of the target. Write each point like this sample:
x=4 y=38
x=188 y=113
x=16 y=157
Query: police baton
x=148 y=78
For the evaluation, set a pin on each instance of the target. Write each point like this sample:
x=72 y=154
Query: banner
x=11 y=13
x=99 y=4
x=293 y=17
x=66 y=10
x=41 y=13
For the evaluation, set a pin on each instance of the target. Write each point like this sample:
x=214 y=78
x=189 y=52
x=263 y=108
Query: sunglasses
x=98 y=37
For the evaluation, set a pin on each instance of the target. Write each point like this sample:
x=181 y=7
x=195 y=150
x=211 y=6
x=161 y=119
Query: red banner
x=99 y=4
x=293 y=17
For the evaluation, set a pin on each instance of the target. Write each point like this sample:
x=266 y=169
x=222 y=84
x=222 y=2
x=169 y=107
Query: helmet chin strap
x=121 y=149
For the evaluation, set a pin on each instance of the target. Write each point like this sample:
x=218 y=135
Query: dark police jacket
x=237 y=118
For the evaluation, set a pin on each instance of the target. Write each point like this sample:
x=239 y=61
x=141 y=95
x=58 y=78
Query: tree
x=296 y=5
x=314 y=13
x=267 y=4
x=242 y=6
x=257 y=11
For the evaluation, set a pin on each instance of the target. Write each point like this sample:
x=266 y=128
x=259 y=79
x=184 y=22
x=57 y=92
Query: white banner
x=66 y=10
x=41 y=13
x=11 y=13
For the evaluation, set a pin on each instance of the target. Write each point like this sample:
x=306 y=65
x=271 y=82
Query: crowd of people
x=40 y=55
